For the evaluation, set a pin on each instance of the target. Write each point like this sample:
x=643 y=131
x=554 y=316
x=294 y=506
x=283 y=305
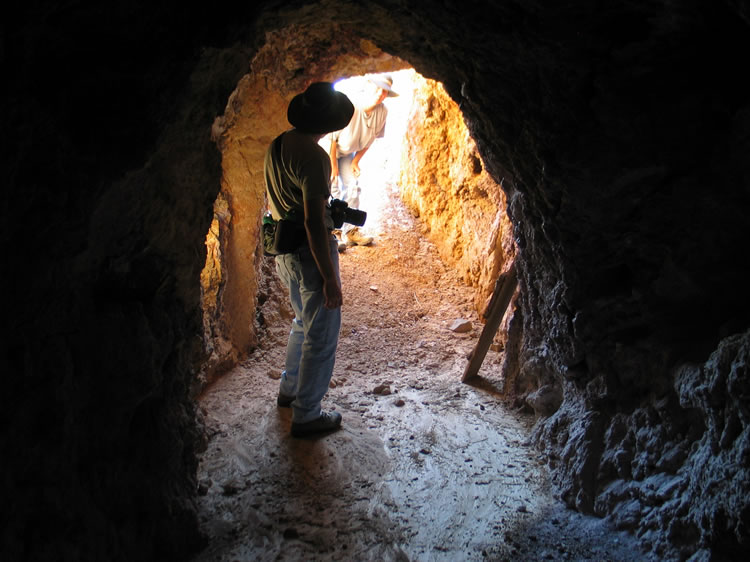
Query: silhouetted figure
x=297 y=175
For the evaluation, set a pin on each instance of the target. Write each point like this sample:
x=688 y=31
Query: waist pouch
x=283 y=236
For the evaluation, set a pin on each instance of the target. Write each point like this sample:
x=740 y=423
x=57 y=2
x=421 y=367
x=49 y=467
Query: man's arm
x=357 y=157
x=333 y=154
x=318 y=237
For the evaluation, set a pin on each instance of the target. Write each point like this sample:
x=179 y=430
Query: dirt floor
x=424 y=467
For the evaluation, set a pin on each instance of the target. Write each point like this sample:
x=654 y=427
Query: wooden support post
x=505 y=286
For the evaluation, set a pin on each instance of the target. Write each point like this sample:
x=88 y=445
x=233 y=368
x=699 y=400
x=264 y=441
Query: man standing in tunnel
x=297 y=175
x=350 y=144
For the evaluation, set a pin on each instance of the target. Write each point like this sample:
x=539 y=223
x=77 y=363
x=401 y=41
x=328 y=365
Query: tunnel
x=617 y=133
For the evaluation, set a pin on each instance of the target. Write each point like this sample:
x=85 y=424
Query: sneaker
x=326 y=422
x=355 y=237
x=285 y=401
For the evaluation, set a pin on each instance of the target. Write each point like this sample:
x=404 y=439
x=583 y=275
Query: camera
x=341 y=213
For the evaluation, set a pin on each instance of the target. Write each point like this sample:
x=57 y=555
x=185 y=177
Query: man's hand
x=355 y=168
x=332 y=294
x=319 y=240
x=333 y=155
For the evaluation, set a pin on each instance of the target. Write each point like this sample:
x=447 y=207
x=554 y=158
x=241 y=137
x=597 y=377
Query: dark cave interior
x=621 y=135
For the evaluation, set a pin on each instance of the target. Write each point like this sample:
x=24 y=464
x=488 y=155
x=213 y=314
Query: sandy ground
x=424 y=467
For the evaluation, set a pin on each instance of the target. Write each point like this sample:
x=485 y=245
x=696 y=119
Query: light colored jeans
x=346 y=186
x=311 y=349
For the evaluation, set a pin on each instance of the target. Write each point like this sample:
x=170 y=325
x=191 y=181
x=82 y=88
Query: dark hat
x=385 y=82
x=320 y=109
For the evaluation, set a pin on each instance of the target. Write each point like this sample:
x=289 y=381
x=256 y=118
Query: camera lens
x=355 y=216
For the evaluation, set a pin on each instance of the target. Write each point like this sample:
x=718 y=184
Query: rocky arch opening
x=433 y=164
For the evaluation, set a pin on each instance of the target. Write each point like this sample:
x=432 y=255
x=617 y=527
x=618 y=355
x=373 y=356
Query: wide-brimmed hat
x=383 y=81
x=320 y=109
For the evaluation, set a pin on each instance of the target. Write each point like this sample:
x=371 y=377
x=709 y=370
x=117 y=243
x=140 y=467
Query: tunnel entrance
x=424 y=466
x=427 y=158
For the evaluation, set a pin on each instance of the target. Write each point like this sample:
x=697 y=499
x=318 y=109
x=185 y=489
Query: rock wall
x=628 y=191
x=444 y=182
x=679 y=463
x=109 y=175
x=618 y=132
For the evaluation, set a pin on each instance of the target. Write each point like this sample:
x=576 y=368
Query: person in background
x=350 y=144
x=297 y=176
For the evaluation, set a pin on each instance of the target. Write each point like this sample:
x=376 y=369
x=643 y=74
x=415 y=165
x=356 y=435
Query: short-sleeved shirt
x=296 y=168
x=361 y=130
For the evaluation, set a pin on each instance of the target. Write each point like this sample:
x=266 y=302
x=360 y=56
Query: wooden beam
x=505 y=286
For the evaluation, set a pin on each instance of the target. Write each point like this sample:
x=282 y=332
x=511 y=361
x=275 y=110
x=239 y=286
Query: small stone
x=425 y=451
x=382 y=389
x=274 y=374
x=461 y=326
x=400 y=403
x=522 y=509
x=373 y=288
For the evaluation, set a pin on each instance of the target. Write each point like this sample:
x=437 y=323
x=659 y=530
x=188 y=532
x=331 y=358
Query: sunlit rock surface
x=619 y=133
x=445 y=183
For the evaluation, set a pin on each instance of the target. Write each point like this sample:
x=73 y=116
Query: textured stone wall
x=109 y=177
x=444 y=182
x=619 y=132
x=679 y=463
x=630 y=186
